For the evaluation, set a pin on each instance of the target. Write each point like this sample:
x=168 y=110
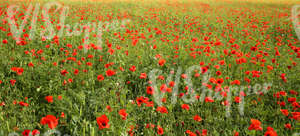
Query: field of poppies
x=161 y=67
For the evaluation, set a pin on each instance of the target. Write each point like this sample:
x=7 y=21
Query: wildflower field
x=146 y=68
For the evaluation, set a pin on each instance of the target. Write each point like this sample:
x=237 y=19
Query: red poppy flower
x=102 y=122
x=160 y=130
x=291 y=100
x=204 y=69
x=270 y=132
x=288 y=126
x=76 y=71
x=110 y=72
x=18 y=70
x=64 y=72
x=49 y=99
x=140 y=100
x=59 y=97
x=197 y=118
x=150 y=90
x=143 y=76
x=219 y=73
x=100 y=77
x=162 y=109
x=208 y=99
x=185 y=106
x=35 y=132
x=23 y=104
x=122 y=69
x=236 y=82
x=296 y=116
x=255 y=125
x=4 y=41
x=161 y=62
x=12 y=82
x=282 y=103
x=26 y=132
x=2 y=103
x=161 y=77
x=62 y=114
x=130 y=131
x=123 y=113
x=204 y=132
x=237 y=99
x=163 y=88
x=293 y=92
x=284 y=112
x=236 y=134
x=50 y=120
x=89 y=64
x=171 y=83
x=132 y=68
x=220 y=81
x=150 y=125
x=190 y=133
x=30 y=64
x=283 y=77
x=277 y=52
x=149 y=104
